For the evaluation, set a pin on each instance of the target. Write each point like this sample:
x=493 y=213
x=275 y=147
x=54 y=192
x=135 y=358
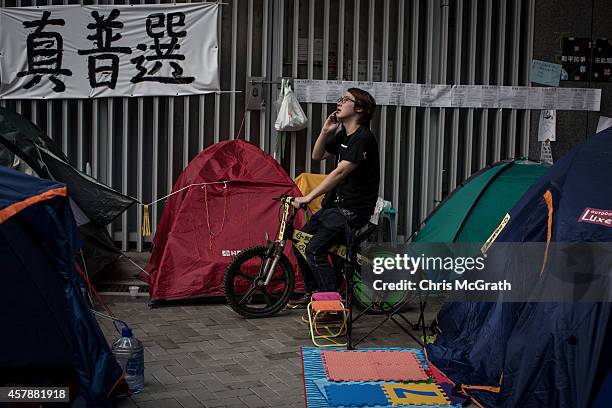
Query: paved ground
x=205 y=355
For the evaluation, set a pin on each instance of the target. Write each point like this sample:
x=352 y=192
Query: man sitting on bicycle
x=351 y=189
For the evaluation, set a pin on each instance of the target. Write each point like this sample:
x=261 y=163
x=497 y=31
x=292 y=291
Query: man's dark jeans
x=329 y=228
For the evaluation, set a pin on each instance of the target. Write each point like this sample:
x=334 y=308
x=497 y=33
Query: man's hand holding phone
x=331 y=123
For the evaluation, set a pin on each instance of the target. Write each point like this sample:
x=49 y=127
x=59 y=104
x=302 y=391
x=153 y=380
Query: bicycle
x=260 y=280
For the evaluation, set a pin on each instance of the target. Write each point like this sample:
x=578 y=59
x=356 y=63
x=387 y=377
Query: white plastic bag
x=290 y=117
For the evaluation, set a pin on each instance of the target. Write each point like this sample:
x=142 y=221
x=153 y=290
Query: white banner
x=455 y=96
x=108 y=51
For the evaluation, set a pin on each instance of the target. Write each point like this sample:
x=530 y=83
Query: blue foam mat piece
x=355 y=394
x=322 y=383
x=315 y=378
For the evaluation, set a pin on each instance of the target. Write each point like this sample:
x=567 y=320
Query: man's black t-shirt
x=359 y=190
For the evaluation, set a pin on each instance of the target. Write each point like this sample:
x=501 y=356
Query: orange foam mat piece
x=372 y=366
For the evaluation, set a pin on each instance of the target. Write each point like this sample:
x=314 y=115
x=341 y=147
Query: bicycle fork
x=271 y=263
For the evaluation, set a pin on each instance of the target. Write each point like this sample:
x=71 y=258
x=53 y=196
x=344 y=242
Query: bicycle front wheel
x=245 y=291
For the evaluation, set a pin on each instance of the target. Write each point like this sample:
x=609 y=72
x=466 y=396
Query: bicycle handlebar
x=281 y=198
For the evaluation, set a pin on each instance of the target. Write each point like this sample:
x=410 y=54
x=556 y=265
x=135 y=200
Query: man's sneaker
x=299 y=303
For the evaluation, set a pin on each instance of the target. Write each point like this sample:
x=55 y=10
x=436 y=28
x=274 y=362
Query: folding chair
x=323 y=307
x=392 y=313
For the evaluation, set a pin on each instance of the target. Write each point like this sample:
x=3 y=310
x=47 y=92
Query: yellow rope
x=146 y=223
x=211 y=234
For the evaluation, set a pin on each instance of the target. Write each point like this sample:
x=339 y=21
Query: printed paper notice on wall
x=383 y=93
x=547 y=130
x=545 y=73
x=603 y=123
x=454 y=96
x=333 y=91
x=435 y=95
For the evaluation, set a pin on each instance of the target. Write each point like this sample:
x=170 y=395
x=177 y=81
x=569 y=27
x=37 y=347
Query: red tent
x=203 y=227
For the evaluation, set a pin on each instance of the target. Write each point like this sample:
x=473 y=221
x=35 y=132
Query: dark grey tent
x=24 y=146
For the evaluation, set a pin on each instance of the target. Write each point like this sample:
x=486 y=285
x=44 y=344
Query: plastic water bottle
x=129 y=353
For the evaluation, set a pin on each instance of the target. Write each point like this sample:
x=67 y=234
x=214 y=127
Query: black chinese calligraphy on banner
x=108 y=51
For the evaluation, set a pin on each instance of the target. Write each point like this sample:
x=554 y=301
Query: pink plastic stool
x=326 y=296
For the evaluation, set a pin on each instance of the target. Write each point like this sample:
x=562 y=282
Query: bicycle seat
x=363 y=233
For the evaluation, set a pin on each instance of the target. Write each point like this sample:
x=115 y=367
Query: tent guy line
x=146 y=223
x=126 y=256
x=184 y=188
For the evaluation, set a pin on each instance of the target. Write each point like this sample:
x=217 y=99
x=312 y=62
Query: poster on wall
x=602 y=60
x=576 y=59
x=545 y=73
x=584 y=60
x=108 y=51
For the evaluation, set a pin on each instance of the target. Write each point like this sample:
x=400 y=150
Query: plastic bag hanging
x=291 y=117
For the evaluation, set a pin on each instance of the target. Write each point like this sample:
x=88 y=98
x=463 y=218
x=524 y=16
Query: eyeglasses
x=345 y=99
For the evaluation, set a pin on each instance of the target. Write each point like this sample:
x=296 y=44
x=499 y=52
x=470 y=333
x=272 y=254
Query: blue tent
x=50 y=337
x=539 y=354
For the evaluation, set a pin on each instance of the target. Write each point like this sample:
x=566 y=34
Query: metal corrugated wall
x=140 y=145
x=426 y=152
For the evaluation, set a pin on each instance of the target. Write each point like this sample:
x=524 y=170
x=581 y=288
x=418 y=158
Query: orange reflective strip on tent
x=480 y=387
x=465 y=388
x=549 y=205
x=14 y=208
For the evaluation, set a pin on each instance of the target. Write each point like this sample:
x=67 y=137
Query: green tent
x=473 y=210
x=469 y=214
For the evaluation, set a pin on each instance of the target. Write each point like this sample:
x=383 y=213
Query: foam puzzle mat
x=321 y=392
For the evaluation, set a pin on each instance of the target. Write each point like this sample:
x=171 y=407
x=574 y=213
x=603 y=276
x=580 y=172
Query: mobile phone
x=333 y=117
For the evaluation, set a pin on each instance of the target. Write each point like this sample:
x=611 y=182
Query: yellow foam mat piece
x=415 y=394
